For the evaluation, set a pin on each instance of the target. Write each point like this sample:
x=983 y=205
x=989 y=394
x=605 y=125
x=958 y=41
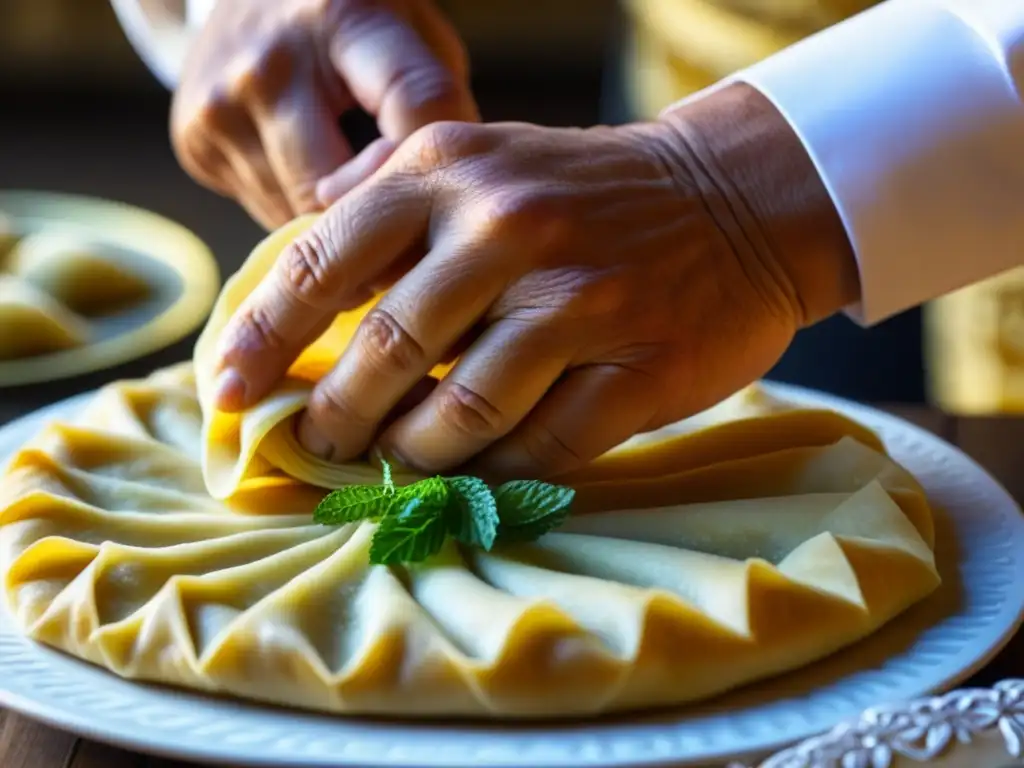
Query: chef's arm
x=912 y=113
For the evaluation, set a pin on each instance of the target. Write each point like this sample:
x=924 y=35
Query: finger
x=345 y=178
x=492 y=388
x=257 y=190
x=235 y=136
x=393 y=73
x=207 y=164
x=589 y=411
x=303 y=143
x=398 y=342
x=201 y=158
x=323 y=272
x=420 y=392
x=232 y=392
x=442 y=37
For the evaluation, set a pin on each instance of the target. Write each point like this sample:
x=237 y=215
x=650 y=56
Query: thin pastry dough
x=76 y=272
x=33 y=323
x=743 y=543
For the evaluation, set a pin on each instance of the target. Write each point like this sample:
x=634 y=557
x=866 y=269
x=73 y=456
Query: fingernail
x=313 y=440
x=230 y=390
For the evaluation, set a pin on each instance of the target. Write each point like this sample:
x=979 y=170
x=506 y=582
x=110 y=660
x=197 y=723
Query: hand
x=609 y=281
x=255 y=116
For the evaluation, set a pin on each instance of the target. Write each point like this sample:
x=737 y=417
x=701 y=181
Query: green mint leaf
x=389 y=484
x=433 y=490
x=527 y=509
x=352 y=503
x=411 y=535
x=474 y=513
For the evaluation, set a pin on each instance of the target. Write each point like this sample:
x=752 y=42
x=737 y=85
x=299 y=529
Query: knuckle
x=306 y=267
x=468 y=413
x=444 y=143
x=387 y=345
x=605 y=298
x=517 y=214
x=256 y=331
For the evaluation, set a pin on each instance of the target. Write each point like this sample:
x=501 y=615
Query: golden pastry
x=33 y=323
x=166 y=541
x=76 y=272
x=811 y=15
x=710 y=38
x=8 y=238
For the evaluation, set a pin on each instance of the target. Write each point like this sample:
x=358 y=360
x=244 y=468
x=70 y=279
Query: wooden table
x=996 y=443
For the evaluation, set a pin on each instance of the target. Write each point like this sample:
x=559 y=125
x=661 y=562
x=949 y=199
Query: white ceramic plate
x=180 y=269
x=932 y=647
x=978 y=727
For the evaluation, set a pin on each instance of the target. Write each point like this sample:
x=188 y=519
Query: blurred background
x=79 y=112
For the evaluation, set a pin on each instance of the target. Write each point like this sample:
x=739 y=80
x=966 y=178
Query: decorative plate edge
x=920 y=731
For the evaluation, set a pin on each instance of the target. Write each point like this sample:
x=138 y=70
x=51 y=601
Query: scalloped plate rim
x=608 y=742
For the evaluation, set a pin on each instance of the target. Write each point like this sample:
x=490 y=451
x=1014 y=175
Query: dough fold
x=166 y=541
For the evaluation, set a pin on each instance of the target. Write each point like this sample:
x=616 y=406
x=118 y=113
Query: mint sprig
x=414 y=520
x=357 y=502
x=474 y=521
x=529 y=508
x=411 y=535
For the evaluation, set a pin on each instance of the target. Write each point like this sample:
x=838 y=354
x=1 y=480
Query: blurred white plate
x=932 y=647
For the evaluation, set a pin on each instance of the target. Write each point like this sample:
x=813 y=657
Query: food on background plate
x=52 y=285
x=33 y=323
x=167 y=541
x=77 y=272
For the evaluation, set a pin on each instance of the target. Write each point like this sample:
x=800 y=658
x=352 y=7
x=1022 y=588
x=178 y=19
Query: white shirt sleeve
x=913 y=114
x=160 y=37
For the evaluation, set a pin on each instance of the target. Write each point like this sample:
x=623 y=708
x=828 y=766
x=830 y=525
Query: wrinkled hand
x=593 y=283
x=255 y=116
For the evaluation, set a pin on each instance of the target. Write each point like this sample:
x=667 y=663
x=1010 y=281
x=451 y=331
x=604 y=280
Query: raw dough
x=168 y=542
x=33 y=323
x=76 y=272
x=51 y=285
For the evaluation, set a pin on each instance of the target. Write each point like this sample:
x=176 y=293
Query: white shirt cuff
x=912 y=114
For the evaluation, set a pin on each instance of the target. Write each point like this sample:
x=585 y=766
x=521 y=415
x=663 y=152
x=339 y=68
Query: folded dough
x=167 y=542
x=243 y=446
x=33 y=323
x=78 y=273
x=50 y=282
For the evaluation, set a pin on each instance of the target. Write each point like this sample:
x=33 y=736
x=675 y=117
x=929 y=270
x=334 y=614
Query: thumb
x=394 y=74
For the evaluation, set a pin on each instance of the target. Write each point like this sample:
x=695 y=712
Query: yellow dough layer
x=169 y=542
x=33 y=323
x=50 y=282
x=77 y=273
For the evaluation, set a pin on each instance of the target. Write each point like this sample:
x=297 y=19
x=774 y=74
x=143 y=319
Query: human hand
x=601 y=282
x=255 y=116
